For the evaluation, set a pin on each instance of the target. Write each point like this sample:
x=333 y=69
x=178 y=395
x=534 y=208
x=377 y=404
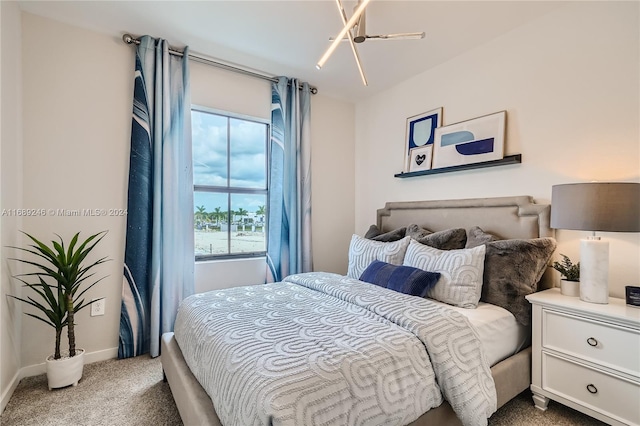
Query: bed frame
x=507 y=217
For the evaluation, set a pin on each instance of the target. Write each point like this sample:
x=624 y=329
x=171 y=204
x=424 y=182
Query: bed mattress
x=498 y=331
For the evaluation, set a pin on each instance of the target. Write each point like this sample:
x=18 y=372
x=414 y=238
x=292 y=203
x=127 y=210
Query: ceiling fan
x=354 y=31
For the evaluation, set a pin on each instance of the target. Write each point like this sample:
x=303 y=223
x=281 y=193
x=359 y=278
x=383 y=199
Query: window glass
x=248 y=221
x=248 y=154
x=209 y=147
x=229 y=213
x=210 y=219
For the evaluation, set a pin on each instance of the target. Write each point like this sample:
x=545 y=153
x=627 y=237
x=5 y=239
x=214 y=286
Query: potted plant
x=570 y=283
x=59 y=278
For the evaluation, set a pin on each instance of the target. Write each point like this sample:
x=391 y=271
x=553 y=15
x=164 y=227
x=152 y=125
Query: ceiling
x=288 y=37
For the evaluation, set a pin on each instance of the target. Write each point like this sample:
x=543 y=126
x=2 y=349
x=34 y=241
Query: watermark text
x=60 y=212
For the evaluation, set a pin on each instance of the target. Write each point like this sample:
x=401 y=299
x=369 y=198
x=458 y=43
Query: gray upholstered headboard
x=506 y=217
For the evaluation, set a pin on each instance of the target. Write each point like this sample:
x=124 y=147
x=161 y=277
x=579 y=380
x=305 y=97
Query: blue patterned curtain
x=289 y=223
x=159 y=252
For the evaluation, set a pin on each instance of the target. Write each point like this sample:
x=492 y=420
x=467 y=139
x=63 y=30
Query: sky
x=247 y=159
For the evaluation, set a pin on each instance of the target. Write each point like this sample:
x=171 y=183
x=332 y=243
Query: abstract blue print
x=421 y=132
x=483 y=146
x=472 y=141
x=465 y=143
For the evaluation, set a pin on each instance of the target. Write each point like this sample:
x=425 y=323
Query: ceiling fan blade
x=346 y=38
x=349 y=37
x=399 y=36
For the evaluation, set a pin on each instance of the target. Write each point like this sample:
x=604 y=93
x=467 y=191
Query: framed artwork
x=472 y=141
x=421 y=131
x=420 y=158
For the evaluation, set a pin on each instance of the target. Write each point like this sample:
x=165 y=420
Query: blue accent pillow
x=403 y=279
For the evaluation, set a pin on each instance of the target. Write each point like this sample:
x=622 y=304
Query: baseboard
x=37 y=369
x=6 y=395
x=33 y=370
x=103 y=355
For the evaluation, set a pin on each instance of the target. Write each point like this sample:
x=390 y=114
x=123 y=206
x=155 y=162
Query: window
x=230 y=184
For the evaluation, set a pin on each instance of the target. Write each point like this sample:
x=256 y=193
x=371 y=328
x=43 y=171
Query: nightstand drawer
x=601 y=392
x=601 y=343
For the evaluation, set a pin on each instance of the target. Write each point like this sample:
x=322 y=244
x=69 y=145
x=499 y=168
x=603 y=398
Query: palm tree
x=217 y=214
x=200 y=213
x=241 y=212
x=261 y=212
x=66 y=268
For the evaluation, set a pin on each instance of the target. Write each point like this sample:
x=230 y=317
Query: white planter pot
x=570 y=288
x=65 y=371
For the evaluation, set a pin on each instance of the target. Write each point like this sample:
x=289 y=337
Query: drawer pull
x=592 y=389
x=592 y=342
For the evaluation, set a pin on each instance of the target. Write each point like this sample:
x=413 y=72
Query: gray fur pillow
x=449 y=239
x=375 y=234
x=476 y=236
x=512 y=269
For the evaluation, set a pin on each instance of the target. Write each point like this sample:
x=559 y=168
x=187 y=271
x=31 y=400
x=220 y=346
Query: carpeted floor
x=131 y=392
x=113 y=392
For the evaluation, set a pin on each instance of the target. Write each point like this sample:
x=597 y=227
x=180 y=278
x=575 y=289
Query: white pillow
x=363 y=251
x=460 y=282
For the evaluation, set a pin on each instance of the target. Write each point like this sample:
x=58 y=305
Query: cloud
x=247 y=146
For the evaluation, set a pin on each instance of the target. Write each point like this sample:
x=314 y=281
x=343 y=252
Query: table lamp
x=601 y=206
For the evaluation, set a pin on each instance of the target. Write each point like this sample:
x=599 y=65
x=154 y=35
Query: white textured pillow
x=460 y=282
x=363 y=251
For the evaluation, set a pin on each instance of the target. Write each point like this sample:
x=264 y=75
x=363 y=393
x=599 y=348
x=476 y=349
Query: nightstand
x=586 y=356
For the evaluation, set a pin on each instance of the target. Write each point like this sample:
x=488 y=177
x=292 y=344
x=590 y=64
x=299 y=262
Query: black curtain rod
x=129 y=39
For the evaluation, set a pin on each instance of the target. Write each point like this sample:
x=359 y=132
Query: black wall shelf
x=509 y=159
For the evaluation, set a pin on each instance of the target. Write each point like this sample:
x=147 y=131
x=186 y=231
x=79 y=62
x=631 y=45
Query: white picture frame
x=420 y=158
x=420 y=131
x=472 y=141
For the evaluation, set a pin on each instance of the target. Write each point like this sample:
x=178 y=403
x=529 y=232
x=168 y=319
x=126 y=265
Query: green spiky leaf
x=59 y=301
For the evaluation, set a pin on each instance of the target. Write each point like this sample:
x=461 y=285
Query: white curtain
x=159 y=253
x=289 y=222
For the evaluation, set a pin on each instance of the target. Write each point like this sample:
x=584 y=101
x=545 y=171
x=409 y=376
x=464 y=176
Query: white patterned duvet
x=324 y=349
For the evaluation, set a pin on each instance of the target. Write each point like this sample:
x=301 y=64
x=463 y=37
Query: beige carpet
x=113 y=392
x=131 y=392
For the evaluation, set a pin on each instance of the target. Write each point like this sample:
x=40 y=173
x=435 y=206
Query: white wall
x=77 y=93
x=333 y=183
x=10 y=194
x=232 y=92
x=569 y=83
x=332 y=148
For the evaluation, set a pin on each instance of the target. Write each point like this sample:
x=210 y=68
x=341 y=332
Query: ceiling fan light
x=342 y=33
x=349 y=37
x=399 y=36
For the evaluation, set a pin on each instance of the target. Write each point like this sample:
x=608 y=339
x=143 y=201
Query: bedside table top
x=616 y=310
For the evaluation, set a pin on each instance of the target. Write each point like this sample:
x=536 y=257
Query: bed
x=507 y=217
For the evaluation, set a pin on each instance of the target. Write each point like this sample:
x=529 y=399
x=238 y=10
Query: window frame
x=230 y=190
